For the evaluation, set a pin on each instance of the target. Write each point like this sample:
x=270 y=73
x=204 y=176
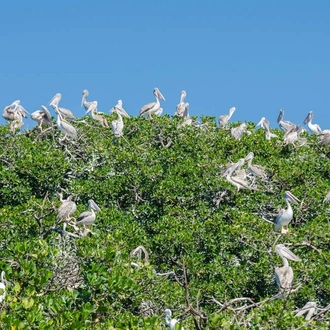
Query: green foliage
x=161 y=187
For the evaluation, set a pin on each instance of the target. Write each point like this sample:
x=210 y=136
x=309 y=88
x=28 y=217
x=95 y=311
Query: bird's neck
x=289 y=205
x=285 y=262
x=157 y=101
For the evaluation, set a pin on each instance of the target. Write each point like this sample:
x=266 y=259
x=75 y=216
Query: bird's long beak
x=160 y=95
x=260 y=122
x=292 y=197
x=280 y=116
x=94 y=206
x=286 y=253
x=249 y=156
x=307 y=119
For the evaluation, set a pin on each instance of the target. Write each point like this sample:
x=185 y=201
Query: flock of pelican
x=235 y=174
x=15 y=112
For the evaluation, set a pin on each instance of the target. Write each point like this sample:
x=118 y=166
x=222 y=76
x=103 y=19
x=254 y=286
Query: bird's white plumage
x=314 y=128
x=117 y=125
x=152 y=107
x=171 y=323
x=285 y=216
x=88 y=217
x=284 y=275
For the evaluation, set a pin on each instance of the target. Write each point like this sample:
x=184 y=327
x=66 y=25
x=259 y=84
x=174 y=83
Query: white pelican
x=284 y=124
x=284 y=275
x=152 y=107
x=237 y=181
x=314 y=128
x=237 y=132
x=171 y=323
x=264 y=123
x=43 y=117
x=84 y=101
x=88 y=217
x=16 y=105
x=64 y=126
x=117 y=125
x=256 y=170
x=14 y=113
x=224 y=119
x=2 y=287
x=66 y=113
x=93 y=110
x=67 y=208
x=119 y=107
x=181 y=106
x=285 y=216
x=292 y=135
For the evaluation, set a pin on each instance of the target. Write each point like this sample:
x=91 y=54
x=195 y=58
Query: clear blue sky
x=258 y=56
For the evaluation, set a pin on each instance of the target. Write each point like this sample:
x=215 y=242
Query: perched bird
x=237 y=132
x=256 y=170
x=284 y=274
x=64 y=126
x=171 y=323
x=15 y=113
x=224 y=119
x=314 y=128
x=117 y=125
x=95 y=115
x=181 y=106
x=88 y=217
x=152 y=107
x=84 y=101
x=121 y=110
x=285 y=216
x=43 y=117
x=65 y=211
x=2 y=287
x=292 y=135
x=264 y=123
x=65 y=113
x=237 y=181
x=12 y=111
x=284 y=124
